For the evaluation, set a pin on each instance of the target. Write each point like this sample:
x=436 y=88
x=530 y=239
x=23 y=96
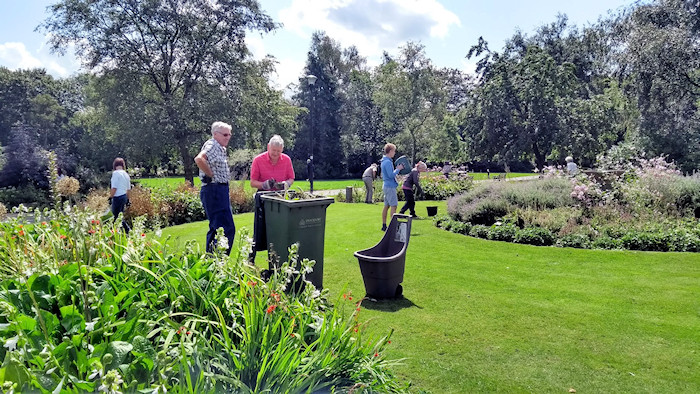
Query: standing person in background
x=120 y=190
x=368 y=178
x=212 y=162
x=390 y=184
x=413 y=179
x=571 y=167
x=446 y=169
x=271 y=170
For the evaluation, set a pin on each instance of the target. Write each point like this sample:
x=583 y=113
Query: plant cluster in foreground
x=85 y=308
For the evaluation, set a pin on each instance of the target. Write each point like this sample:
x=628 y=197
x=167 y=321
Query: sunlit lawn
x=331 y=184
x=484 y=316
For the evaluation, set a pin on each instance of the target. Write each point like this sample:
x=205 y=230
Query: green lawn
x=332 y=184
x=173 y=182
x=484 y=316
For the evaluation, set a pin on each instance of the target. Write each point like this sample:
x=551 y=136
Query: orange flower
x=271 y=308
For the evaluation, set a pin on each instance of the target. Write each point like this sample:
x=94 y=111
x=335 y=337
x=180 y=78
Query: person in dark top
x=412 y=179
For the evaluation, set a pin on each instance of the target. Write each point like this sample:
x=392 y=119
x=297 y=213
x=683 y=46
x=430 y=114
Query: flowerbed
x=86 y=308
x=648 y=207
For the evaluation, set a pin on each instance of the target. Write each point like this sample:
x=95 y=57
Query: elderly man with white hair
x=271 y=170
x=212 y=161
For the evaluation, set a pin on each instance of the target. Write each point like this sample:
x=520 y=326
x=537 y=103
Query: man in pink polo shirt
x=271 y=170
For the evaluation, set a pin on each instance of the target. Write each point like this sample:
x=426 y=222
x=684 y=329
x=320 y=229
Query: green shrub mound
x=650 y=208
x=86 y=308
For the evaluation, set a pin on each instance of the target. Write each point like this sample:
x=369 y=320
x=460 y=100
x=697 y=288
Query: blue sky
x=447 y=28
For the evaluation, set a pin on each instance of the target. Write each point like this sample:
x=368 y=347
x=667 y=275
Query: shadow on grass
x=388 y=305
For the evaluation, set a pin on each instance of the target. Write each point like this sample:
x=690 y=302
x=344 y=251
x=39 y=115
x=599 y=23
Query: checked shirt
x=216 y=157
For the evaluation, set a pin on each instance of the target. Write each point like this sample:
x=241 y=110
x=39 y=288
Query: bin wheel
x=399 y=291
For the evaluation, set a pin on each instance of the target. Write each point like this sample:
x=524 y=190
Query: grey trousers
x=369 y=187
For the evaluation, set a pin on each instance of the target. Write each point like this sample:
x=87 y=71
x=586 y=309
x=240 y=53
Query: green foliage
x=26 y=194
x=535 y=236
x=437 y=187
x=606 y=242
x=503 y=232
x=550 y=193
x=580 y=241
x=87 y=308
x=479 y=231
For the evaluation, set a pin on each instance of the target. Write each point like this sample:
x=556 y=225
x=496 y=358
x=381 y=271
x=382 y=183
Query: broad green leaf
x=14 y=371
x=51 y=321
x=40 y=283
x=72 y=320
x=119 y=351
x=26 y=323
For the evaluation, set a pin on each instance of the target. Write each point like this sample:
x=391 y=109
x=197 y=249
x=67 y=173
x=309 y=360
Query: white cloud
x=15 y=56
x=371 y=25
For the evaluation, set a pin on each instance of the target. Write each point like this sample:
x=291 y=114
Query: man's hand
x=206 y=179
x=109 y=200
x=399 y=167
x=268 y=184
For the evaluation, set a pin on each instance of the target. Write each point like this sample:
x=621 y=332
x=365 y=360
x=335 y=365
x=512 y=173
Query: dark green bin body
x=303 y=221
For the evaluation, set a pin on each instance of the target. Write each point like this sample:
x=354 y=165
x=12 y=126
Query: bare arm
x=203 y=164
x=256 y=184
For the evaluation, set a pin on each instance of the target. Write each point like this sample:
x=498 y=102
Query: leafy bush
x=580 y=241
x=483 y=211
x=554 y=220
x=479 y=231
x=505 y=232
x=459 y=227
x=548 y=193
x=3 y=211
x=27 y=194
x=86 y=308
x=535 y=236
x=241 y=201
x=642 y=240
x=437 y=187
x=239 y=162
x=182 y=205
x=688 y=201
x=606 y=242
x=142 y=205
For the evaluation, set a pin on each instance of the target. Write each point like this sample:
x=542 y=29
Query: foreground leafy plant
x=85 y=307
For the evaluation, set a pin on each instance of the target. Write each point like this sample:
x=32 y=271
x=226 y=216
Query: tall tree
x=412 y=99
x=175 y=46
x=320 y=133
x=363 y=133
x=658 y=51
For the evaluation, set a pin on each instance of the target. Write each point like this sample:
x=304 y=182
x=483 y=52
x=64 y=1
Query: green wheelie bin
x=302 y=221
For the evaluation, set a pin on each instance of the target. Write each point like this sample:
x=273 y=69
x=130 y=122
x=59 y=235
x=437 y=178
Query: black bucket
x=432 y=211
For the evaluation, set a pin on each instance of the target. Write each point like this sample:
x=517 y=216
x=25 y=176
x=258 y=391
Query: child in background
x=412 y=179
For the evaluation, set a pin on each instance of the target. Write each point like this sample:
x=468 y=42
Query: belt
x=218 y=183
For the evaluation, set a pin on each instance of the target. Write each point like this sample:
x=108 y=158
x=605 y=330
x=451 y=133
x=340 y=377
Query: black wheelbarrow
x=383 y=265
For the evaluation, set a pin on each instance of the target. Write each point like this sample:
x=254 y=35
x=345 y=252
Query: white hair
x=219 y=126
x=276 y=140
x=568 y=159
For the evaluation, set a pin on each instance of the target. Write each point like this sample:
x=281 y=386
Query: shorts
x=390 y=197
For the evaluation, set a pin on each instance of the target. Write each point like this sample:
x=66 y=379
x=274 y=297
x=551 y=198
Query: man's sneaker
x=383 y=227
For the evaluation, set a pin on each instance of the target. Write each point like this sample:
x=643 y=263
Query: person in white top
x=121 y=189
